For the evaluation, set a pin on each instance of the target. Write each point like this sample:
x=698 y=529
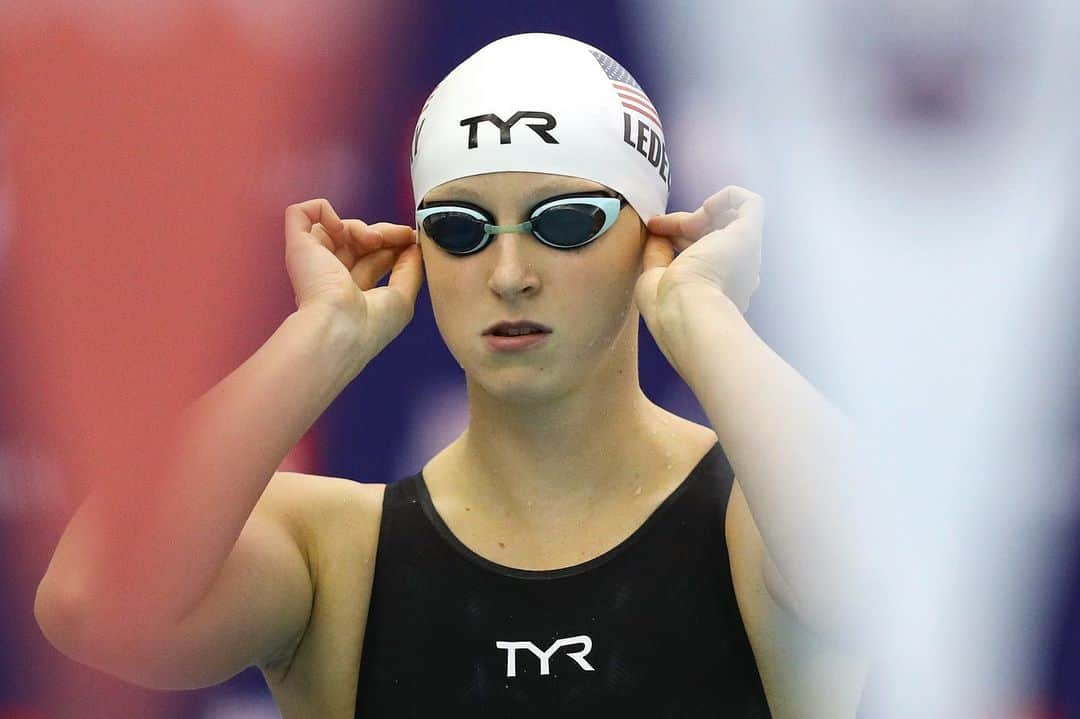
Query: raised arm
x=796 y=457
x=204 y=568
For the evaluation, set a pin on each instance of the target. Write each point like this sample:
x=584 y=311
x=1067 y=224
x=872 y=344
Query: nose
x=514 y=271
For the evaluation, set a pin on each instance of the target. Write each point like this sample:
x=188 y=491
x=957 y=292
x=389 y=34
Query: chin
x=521 y=384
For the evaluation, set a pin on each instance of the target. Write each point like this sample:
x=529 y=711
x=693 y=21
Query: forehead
x=526 y=185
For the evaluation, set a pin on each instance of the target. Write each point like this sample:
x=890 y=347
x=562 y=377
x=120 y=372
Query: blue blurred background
x=895 y=121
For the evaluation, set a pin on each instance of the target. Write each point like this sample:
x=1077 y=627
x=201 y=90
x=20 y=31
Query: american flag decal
x=429 y=98
x=630 y=93
x=420 y=123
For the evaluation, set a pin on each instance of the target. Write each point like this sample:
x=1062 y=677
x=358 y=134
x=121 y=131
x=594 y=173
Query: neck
x=572 y=450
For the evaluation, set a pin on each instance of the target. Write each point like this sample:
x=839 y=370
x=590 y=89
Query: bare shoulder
x=328 y=515
x=804 y=674
x=339 y=521
x=317 y=506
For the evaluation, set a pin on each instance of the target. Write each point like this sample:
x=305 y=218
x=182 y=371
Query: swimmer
x=578 y=551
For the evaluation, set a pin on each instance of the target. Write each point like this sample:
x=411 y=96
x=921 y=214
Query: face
x=585 y=294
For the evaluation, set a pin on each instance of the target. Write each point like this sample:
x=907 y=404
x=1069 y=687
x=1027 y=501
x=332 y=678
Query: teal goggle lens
x=563 y=222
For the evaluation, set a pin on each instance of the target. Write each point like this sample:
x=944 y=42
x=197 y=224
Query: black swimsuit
x=650 y=628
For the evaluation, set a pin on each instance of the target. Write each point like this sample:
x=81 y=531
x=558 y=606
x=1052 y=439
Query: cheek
x=442 y=273
x=447 y=293
x=620 y=260
x=598 y=294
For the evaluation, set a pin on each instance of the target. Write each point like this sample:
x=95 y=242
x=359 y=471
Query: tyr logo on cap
x=542 y=129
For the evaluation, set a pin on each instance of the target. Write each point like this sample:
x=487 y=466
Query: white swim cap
x=539 y=102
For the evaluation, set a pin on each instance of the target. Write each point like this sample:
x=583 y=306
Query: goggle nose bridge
x=499 y=229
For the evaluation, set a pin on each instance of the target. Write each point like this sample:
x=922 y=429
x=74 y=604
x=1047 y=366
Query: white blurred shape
x=919 y=162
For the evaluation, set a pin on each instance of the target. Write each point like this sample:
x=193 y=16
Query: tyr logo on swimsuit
x=541 y=129
x=578 y=656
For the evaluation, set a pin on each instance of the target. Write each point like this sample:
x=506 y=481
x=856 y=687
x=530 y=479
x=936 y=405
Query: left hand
x=718 y=246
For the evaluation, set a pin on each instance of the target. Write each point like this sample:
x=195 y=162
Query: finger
x=372 y=267
x=368 y=238
x=681 y=243
x=342 y=250
x=362 y=237
x=659 y=252
x=729 y=198
x=679 y=224
x=373 y=249
x=396 y=235
x=749 y=215
x=408 y=273
x=399 y=295
x=345 y=255
x=734 y=203
x=718 y=211
x=302 y=216
x=324 y=238
x=678 y=239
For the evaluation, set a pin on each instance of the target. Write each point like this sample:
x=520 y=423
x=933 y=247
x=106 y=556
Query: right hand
x=337 y=263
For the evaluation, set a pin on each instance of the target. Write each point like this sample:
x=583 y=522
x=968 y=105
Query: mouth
x=519 y=343
x=517 y=328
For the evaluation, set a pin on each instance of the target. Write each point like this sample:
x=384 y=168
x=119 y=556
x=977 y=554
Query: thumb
x=403 y=286
x=658 y=254
x=393 y=306
x=408 y=273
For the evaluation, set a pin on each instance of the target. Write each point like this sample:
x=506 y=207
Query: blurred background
x=920 y=164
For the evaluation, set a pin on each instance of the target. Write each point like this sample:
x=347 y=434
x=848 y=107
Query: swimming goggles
x=563 y=222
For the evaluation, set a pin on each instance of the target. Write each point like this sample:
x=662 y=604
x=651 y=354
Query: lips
x=502 y=327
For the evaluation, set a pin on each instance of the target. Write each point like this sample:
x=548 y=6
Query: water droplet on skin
x=669 y=466
x=637 y=491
